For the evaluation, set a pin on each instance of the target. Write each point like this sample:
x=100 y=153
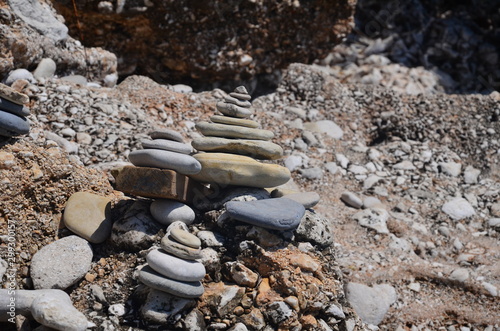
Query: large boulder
x=210 y=40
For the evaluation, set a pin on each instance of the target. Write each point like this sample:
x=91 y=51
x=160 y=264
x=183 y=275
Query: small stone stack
x=173 y=268
x=13 y=113
x=232 y=142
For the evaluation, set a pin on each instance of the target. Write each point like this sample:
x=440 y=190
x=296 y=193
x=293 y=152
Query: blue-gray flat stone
x=167 y=145
x=155 y=280
x=157 y=158
x=277 y=214
x=13 y=108
x=12 y=125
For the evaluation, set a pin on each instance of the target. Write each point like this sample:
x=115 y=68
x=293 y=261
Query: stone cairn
x=231 y=145
x=13 y=113
x=159 y=172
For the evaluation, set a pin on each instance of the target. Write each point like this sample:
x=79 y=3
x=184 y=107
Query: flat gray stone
x=13 y=125
x=234 y=121
x=175 y=268
x=166 y=211
x=471 y=175
x=229 y=109
x=452 y=169
x=156 y=158
x=458 y=209
x=277 y=214
x=167 y=145
x=306 y=199
x=13 y=108
x=351 y=199
x=167 y=134
x=241 y=96
x=181 y=289
x=258 y=149
x=371 y=303
x=45 y=69
x=315 y=229
x=61 y=263
x=233 y=131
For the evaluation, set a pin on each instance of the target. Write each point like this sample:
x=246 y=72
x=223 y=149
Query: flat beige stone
x=89 y=216
x=234 y=121
x=12 y=95
x=233 y=131
x=230 y=169
x=257 y=149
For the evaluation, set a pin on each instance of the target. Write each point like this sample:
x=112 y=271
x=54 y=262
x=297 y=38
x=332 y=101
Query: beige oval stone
x=258 y=149
x=89 y=216
x=233 y=131
x=229 y=169
x=185 y=238
x=234 y=121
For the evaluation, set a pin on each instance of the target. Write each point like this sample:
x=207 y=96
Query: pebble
x=293 y=162
x=12 y=95
x=404 y=165
x=306 y=199
x=89 y=216
x=452 y=169
x=166 y=211
x=490 y=288
x=45 y=69
x=161 y=307
x=311 y=173
x=458 y=209
x=61 y=263
x=494 y=223
x=278 y=214
x=167 y=134
x=342 y=160
x=352 y=200
x=232 y=110
x=178 y=288
x=371 y=303
x=13 y=125
x=179 y=250
x=459 y=275
x=258 y=149
x=233 y=131
x=18 y=74
x=471 y=175
x=372 y=202
x=229 y=169
x=167 y=145
x=325 y=126
x=242 y=275
x=373 y=218
x=315 y=229
x=234 y=121
x=278 y=311
x=156 y=158
x=182 y=88
x=175 y=268
x=210 y=239
x=14 y=108
x=117 y=309
x=185 y=238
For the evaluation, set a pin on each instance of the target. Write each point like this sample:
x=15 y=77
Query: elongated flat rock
x=13 y=125
x=230 y=169
x=13 y=108
x=233 y=131
x=238 y=102
x=258 y=149
x=167 y=145
x=12 y=95
x=166 y=134
x=156 y=158
x=234 y=121
x=180 y=250
x=157 y=183
x=229 y=109
x=175 y=268
x=181 y=289
x=276 y=214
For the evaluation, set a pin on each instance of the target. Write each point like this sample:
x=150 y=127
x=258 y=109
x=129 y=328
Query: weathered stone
x=232 y=110
x=233 y=131
x=315 y=229
x=181 y=289
x=175 y=268
x=371 y=303
x=166 y=134
x=185 y=238
x=373 y=218
x=8 y=93
x=161 y=307
x=182 y=251
x=257 y=149
x=234 y=121
x=224 y=297
x=228 y=169
x=306 y=199
x=156 y=183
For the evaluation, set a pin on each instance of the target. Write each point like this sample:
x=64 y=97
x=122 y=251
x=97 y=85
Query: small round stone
x=185 y=238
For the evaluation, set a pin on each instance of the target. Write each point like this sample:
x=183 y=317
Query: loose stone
x=183 y=164
x=325 y=126
x=167 y=134
x=14 y=108
x=167 y=211
x=258 y=149
x=233 y=131
x=371 y=303
x=231 y=110
x=89 y=216
x=229 y=169
x=185 y=238
x=12 y=125
x=179 y=250
x=12 y=95
x=175 y=268
x=352 y=200
x=168 y=145
x=277 y=214
x=373 y=218
x=45 y=69
x=178 y=288
x=234 y=121
x=458 y=209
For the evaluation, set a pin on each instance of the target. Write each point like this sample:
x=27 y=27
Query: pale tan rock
x=229 y=169
x=89 y=216
x=12 y=95
x=233 y=131
x=234 y=121
x=258 y=149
